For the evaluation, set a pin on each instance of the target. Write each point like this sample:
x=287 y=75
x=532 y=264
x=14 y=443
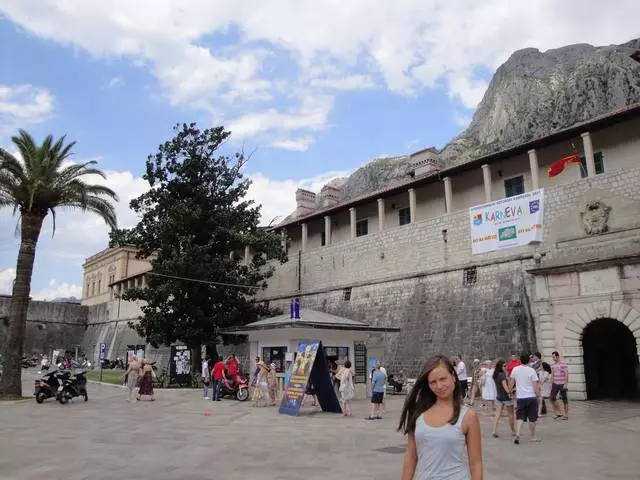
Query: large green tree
x=34 y=186
x=195 y=222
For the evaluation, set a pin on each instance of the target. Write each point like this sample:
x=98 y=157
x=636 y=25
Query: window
x=112 y=278
x=599 y=161
x=362 y=227
x=346 y=294
x=404 y=215
x=99 y=285
x=333 y=354
x=93 y=288
x=470 y=276
x=323 y=240
x=275 y=355
x=514 y=186
x=88 y=289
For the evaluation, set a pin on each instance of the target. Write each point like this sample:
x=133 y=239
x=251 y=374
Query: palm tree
x=34 y=186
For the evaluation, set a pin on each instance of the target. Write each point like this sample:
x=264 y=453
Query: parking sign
x=103 y=351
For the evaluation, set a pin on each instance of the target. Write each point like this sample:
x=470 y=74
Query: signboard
x=180 y=365
x=507 y=223
x=103 y=351
x=309 y=367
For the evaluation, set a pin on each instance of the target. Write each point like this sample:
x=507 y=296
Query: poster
x=507 y=223
x=180 y=365
x=309 y=367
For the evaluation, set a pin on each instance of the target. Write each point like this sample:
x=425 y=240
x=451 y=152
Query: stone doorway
x=610 y=360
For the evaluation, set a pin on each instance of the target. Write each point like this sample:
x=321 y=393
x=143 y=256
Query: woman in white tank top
x=439 y=427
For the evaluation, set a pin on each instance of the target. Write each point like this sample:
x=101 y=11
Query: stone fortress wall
x=50 y=325
x=413 y=276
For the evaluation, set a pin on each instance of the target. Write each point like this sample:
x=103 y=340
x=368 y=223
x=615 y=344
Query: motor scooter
x=73 y=386
x=47 y=386
x=237 y=388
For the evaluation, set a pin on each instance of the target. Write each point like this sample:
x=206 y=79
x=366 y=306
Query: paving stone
x=108 y=438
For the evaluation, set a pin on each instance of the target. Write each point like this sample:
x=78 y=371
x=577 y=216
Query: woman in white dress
x=488 y=385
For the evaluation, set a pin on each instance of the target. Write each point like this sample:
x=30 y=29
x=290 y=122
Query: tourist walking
x=272 y=383
x=384 y=394
x=461 y=370
x=218 y=376
x=261 y=392
x=475 y=381
x=544 y=377
x=132 y=375
x=488 y=385
x=146 y=384
x=206 y=377
x=504 y=398
x=378 y=380
x=347 y=389
x=233 y=367
x=560 y=380
x=527 y=386
x=439 y=427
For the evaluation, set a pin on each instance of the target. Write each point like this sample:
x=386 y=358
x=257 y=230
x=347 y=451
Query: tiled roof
x=309 y=319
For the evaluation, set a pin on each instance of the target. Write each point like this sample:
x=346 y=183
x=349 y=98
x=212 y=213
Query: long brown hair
x=422 y=397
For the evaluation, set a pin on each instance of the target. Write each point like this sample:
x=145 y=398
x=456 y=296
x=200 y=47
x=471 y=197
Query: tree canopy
x=195 y=222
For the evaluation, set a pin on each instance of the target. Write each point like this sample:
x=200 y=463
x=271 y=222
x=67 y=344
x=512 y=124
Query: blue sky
x=317 y=88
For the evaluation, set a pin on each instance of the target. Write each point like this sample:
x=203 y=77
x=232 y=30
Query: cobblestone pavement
x=176 y=438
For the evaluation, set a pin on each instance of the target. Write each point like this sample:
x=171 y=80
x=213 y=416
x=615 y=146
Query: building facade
x=402 y=257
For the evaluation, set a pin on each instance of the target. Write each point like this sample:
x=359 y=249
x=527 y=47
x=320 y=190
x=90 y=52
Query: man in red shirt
x=233 y=367
x=515 y=362
x=218 y=376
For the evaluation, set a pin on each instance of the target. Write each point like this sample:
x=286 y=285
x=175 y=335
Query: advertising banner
x=310 y=367
x=508 y=222
x=180 y=365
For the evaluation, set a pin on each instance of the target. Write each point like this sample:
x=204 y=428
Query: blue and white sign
x=103 y=351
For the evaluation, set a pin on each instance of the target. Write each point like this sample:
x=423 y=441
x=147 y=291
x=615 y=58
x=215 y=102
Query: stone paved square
x=108 y=438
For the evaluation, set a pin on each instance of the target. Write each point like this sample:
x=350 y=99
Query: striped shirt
x=560 y=372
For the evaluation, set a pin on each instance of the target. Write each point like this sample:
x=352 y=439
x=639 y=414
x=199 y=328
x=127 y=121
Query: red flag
x=557 y=168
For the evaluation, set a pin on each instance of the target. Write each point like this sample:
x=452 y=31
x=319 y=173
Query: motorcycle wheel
x=40 y=397
x=62 y=398
x=242 y=394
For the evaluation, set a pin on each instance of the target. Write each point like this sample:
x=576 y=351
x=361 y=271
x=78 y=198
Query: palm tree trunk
x=11 y=384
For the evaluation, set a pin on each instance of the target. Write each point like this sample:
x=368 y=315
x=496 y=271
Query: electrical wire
x=201 y=281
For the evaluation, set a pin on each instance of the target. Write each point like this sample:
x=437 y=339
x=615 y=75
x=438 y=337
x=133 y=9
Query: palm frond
x=99 y=206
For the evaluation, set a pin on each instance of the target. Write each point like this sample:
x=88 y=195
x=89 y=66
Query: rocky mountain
x=536 y=93
x=530 y=96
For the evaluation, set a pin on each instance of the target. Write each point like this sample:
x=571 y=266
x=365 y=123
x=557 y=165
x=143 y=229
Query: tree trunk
x=196 y=358
x=11 y=383
x=212 y=351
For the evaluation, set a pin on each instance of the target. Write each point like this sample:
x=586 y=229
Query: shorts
x=562 y=390
x=377 y=397
x=505 y=403
x=527 y=409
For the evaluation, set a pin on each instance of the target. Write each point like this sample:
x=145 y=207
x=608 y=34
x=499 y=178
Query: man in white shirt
x=461 y=370
x=525 y=379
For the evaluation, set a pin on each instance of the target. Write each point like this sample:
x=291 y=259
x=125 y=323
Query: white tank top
x=441 y=451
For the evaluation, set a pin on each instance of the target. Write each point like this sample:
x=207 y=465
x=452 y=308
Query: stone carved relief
x=595 y=217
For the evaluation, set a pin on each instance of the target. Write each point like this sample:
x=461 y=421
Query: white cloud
x=332 y=45
x=23 y=105
x=278 y=197
x=116 y=82
x=6 y=280
x=311 y=115
x=299 y=144
x=56 y=289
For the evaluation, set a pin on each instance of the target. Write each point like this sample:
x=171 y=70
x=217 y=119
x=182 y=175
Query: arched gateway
x=602 y=347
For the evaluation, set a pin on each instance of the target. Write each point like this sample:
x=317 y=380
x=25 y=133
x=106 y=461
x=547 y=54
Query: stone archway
x=573 y=350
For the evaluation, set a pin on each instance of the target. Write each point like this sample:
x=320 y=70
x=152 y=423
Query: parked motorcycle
x=239 y=389
x=47 y=386
x=73 y=386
